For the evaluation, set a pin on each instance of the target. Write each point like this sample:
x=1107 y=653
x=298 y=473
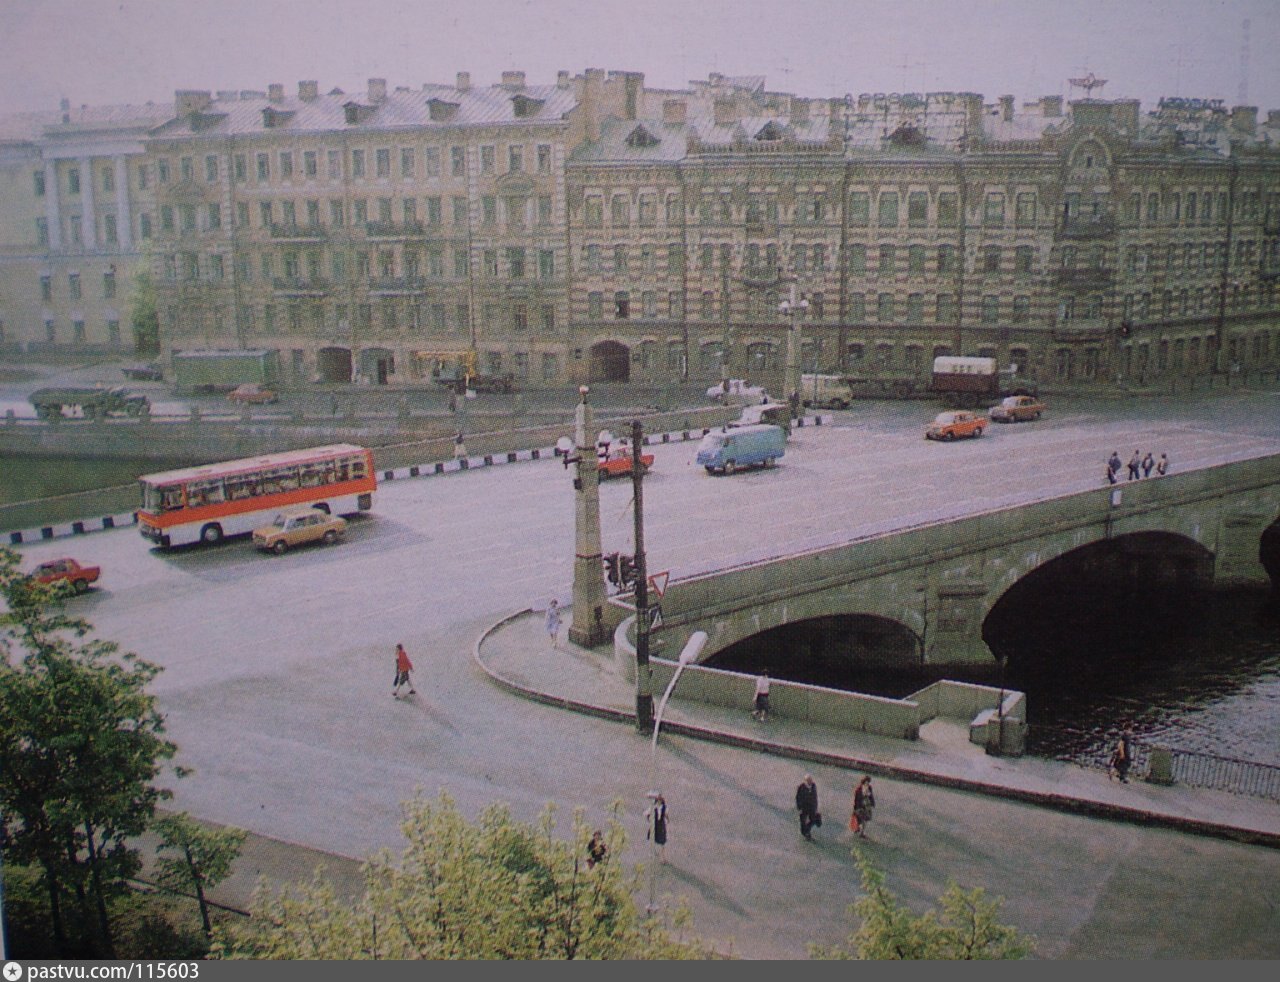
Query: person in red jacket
x=403 y=668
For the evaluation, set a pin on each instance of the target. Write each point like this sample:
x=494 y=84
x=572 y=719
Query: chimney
x=562 y=80
x=188 y=101
x=1051 y=106
x=65 y=106
x=674 y=111
x=1125 y=114
x=307 y=91
x=590 y=102
x=1244 y=119
x=377 y=91
x=513 y=81
x=725 y=112
x=799 y=111
x=275 y=92
x=464 y=82
x=1006 y=108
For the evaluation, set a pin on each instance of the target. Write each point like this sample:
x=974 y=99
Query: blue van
x=729 y=450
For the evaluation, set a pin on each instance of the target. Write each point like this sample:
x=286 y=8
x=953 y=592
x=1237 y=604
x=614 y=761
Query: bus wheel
x=211 y=534
x=280 y=548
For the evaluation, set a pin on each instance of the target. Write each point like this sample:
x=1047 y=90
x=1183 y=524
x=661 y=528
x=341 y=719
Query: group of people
x=864 y=803
x=1139 y=466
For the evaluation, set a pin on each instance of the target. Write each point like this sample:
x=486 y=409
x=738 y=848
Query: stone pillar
x=52 y=213
x=89 y=219
x=1236 y=562
x=588 y=628
x=124 y=218
x=954 y=625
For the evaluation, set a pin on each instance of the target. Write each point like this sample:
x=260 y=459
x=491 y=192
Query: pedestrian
x=1162 y=466
x=333 y=406
x=1114 y=462
x=597 y=851
x=459 y=446
x=453 y=401
x=658 y=818
x=807 y=805
x=1148 y=462
x=553 y=622
x=1135 y=463
x=864 y=802
x=1111 y=474
x=403 y=668
x=761 y=711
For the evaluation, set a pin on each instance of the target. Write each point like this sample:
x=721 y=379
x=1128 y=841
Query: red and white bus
x=208 y=502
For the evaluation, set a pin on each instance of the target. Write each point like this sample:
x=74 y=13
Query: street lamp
x=688 y=654
x=587 y=628
x=793 y=310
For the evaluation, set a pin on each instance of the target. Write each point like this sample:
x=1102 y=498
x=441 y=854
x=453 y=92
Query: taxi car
x=299 y=526
x=252 y=394
x=1015 y=409
x=67 y=571
x=955 y=424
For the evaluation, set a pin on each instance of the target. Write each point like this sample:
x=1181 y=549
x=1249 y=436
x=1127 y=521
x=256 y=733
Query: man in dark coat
x=807 y=805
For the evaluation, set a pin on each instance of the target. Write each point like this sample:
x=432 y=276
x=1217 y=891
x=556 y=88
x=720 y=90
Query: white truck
x=826 y=391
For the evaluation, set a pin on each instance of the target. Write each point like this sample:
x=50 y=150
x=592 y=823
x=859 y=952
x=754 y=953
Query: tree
x=144 y=317
x=495 y=888
x=205 y=857
x=81 y=742
x=965 y=929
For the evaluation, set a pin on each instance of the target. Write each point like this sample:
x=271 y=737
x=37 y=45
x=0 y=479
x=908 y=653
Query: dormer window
x=770 y=131
x=273 y=118
x=641 y=137
x=441 y=110
x=354 y=112
x=523 y=106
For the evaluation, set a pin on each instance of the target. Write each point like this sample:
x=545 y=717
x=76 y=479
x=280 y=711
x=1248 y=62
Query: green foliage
x=204 y=856
x=80 y=745
x=492 y=889
x=143 y=317
x=965 y=929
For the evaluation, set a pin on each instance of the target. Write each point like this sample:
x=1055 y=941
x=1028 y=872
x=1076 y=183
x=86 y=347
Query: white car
x=737 y=391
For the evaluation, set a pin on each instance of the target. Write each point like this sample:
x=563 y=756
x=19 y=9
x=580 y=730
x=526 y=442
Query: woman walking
x=658 y=815
x=864 y=802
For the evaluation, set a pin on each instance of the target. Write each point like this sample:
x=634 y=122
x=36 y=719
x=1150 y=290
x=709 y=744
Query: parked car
x=1015 y=409
x=618 y=463
x=252 y=394
x=67 y=571
x=298 y=526
x=730 y=450
x=773 y=413
x=737 y=391
x=954 y=424
x=143 y=373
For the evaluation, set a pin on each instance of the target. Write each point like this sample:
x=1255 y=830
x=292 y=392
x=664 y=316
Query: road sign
x=658 y=582
x=655 y=616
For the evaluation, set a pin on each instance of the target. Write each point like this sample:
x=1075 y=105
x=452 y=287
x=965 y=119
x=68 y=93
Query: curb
x=1043 y=799
x=432 y=469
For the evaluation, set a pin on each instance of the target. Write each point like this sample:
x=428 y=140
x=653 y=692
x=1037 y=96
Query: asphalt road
x=277 y=677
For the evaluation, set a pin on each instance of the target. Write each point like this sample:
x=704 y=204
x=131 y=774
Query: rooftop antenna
x=1242 y=94
x=1088 y=83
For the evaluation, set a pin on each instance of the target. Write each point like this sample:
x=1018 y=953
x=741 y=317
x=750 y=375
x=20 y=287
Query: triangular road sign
x=658 y=582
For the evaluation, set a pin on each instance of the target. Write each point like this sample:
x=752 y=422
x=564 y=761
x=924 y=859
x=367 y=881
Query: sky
x=133 y=51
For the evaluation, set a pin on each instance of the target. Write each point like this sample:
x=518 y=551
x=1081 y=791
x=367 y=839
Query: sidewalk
x=516 y=655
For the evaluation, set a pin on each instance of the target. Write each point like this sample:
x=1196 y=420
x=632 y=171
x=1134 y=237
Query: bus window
x=171 y=498
x=279 y=479
x=314 y=475
x=241 y=487
x=207 y=492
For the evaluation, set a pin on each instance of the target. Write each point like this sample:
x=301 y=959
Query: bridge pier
x=953 y=625
x=1237 y=561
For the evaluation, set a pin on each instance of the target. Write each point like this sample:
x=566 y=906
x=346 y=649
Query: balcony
x=395 y=230
x=397 y=285
x=314 y=233
x=1086 y=278
x=1087 y=227
x=296 y=286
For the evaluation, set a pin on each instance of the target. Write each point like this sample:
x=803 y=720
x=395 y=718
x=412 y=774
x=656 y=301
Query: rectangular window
x=38 y=177
x=487 y=159
x=239 y=168
x=546 y=264
x=310 y=166
x=214 y=216
x=993 y=209
x=77 y=331
x=595 y=305
x=264 y=167
x=1021 y=309
x=460 y=211
x=166 y=218
x=859 y=208
x=544 y=209
x=915 y=260
x=884 y=308
x=1022 y=258
x=857 y=259
x=887 y=215
x=1025 y=210
x=382 y=162
x=337 y=213
x=620 y=259
x=620 y=211
x=73 y=180
x=162 y=170
x=593 y=213
x=73 y=285
x=888 y=259
x=42 y=231
x=917 y=209
x=186 y=170
x=461 y=266
x=458 y=161
x=187 y=214
x=948 y=209
x=76 y=230
x=433 y=210
x=915 y=308
x=990 y=309
x=991 y=259
x=488 y=209
x=407 y=162
x=409 y=209
x=432 y=157
x=515 y=262
x=946 y=308
x=357 y=163
x=109 y=176
x=286 y=164
x=216 y=268
x=144 y=226
x=289 y=214
x=108 y=285
x=544 y=158
x=621 y=305
x=515 y=158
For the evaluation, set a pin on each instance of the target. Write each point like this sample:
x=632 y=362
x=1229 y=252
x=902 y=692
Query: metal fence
x=1200 y=770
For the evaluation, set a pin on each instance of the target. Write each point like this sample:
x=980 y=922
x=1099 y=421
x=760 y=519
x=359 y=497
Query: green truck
x=203 y=372
x=92 y=403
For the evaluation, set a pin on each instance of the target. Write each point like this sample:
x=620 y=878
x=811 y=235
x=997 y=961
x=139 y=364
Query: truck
x=969 y=382
x=206 y=372
x=730 y=450
x=826 y=391
x=92 y=402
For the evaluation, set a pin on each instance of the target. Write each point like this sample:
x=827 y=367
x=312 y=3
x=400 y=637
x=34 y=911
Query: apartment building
x=596 y=230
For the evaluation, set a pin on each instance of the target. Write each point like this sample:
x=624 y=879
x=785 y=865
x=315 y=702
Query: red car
x=251 y=394
x=618 y=463
x=68 y=571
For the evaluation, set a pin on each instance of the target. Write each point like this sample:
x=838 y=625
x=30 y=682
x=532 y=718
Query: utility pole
x=644 y=675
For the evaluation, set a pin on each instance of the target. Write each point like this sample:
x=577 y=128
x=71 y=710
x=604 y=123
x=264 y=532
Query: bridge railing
x=1201 y=770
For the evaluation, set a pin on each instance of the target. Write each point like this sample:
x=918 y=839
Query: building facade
x=595 y=230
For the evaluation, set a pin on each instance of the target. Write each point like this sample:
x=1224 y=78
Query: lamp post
x=644 y=682
x=793 y=309
x=689 y=653
x=587 y=628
